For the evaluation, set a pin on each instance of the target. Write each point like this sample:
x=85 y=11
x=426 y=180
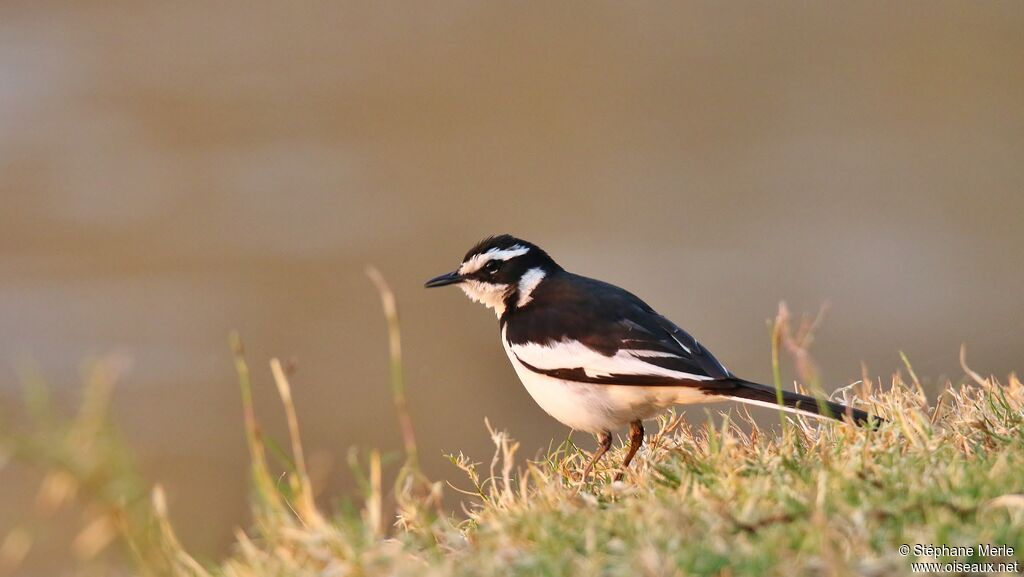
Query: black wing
x=592 y=331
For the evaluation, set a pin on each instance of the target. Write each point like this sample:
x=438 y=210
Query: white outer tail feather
x=777 y=407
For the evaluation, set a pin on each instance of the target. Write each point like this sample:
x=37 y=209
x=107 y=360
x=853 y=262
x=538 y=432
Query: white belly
x=595 y=407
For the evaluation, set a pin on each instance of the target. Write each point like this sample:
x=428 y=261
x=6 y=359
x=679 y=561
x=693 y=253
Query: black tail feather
x=768 y=395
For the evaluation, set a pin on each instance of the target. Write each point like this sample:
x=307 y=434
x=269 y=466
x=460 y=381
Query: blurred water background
x=171 y=171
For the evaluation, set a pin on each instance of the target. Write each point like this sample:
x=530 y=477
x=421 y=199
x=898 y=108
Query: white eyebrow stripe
x=478 y=260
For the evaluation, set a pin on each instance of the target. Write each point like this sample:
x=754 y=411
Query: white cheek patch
x=527 y=283
x=479 y=260
x=491 y=295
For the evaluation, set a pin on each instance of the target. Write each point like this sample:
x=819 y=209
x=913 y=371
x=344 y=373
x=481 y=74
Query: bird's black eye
x=493 y=266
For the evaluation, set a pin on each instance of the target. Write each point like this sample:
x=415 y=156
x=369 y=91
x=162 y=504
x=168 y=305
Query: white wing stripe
x=574 y=354
x=645 y=353
x=680 y=343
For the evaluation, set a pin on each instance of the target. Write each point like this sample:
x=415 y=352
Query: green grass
x=729 y=498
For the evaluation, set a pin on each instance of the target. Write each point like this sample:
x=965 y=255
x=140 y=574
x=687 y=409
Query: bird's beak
x=446 y=279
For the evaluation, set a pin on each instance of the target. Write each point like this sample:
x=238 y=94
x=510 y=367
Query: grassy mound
x=733 y=498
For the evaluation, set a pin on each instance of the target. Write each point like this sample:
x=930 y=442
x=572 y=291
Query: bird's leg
x=636 y=438
x=604 y=442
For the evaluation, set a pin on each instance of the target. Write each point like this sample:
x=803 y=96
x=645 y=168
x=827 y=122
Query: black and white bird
x=595 y=356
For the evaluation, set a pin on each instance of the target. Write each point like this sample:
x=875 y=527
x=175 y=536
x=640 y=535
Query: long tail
x=765 y=396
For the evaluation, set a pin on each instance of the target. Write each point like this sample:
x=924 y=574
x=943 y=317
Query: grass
x=730 y=498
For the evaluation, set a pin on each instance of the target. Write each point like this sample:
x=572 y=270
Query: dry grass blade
x=307 y=509
x=182 y=563
x=263 y=481
x=387 y=298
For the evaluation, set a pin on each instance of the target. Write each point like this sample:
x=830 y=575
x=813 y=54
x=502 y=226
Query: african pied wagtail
x=595 y=356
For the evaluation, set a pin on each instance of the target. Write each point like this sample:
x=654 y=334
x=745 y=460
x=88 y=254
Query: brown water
x=172 y=171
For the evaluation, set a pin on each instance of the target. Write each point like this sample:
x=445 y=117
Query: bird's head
x=500 y=271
